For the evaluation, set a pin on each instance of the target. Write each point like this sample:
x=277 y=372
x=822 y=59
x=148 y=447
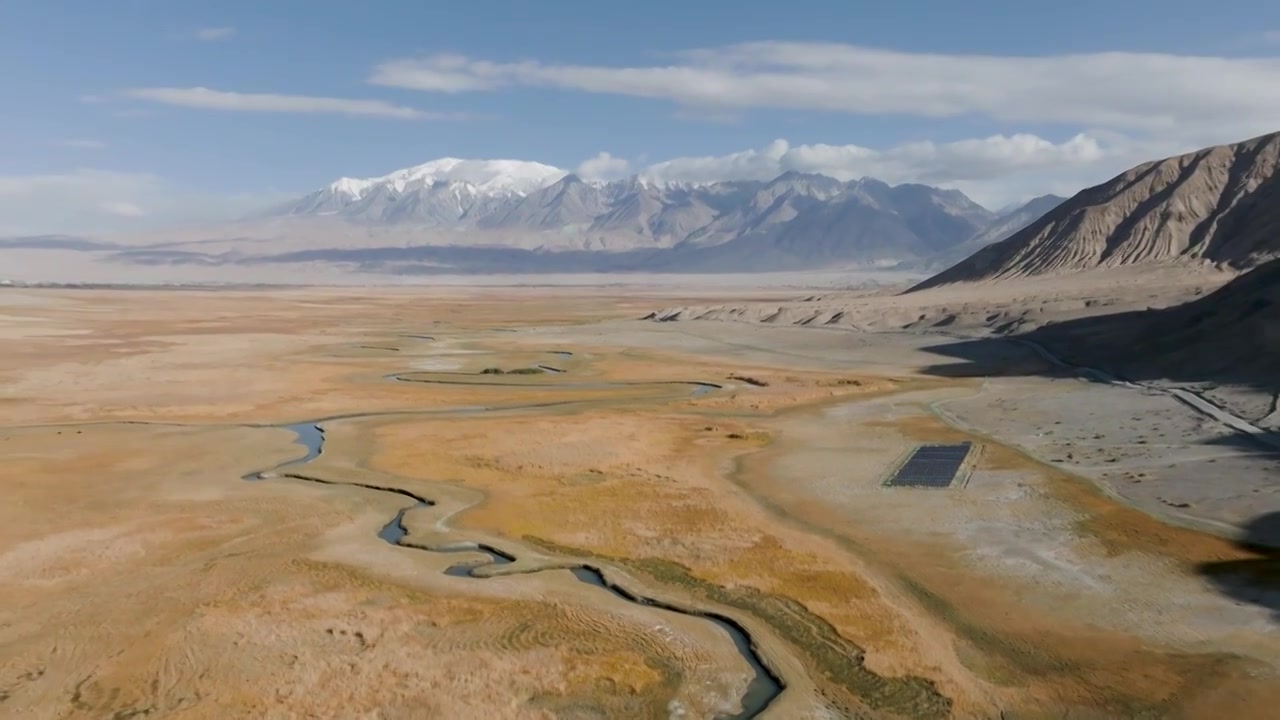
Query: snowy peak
x=350 y=187
x=488 y=177
x=436 y=193
x=485 y=177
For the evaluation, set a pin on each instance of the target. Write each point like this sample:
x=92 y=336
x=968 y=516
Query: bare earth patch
x=723 y=469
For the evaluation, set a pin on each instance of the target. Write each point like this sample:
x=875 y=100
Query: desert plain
x=322 y=502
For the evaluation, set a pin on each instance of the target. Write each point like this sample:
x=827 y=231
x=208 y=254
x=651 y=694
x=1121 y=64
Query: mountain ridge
x=1220 y=205
x=796 y=219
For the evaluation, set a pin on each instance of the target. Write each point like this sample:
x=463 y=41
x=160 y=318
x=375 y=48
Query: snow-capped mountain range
x=453 y=216
x=795 y=220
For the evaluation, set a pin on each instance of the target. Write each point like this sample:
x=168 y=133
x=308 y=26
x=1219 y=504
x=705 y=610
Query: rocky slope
x=1220 y=205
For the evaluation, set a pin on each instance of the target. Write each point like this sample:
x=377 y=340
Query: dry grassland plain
x=665 y=520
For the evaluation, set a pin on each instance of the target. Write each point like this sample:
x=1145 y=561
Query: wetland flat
x=529 y=503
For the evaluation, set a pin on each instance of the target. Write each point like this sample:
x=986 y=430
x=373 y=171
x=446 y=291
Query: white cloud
x=89 y=201
x=1150 y=92
x=442 y=73
x=122 y=209
x=205 y=98
x=926 y=162
x=1126 y=107
x=993 y=170
x=82 y=143
x=603 y=167
x=215 y=33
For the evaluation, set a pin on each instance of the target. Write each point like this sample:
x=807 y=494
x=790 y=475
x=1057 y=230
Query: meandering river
x=764 y=686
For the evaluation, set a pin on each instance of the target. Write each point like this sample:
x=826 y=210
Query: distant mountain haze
x=795 y=221
x=454 y=216
x=1005 y=223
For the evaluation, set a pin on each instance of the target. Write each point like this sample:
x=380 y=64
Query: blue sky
x=1000 y=99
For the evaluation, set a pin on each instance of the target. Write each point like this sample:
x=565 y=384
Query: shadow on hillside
x=1254 y=580
x=1109 y=343
x=1228 y=337
x=990 y=357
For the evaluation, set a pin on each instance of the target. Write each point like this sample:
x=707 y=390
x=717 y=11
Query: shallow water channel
x=764 y=686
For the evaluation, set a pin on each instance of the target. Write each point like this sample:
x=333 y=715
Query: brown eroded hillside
x=1219 y=204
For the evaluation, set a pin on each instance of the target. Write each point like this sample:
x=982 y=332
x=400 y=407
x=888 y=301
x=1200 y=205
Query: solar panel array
x=931 y=466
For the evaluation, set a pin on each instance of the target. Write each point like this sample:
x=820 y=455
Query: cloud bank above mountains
x=994 y=171
x=923 y=162
x=1128 y=107
x=979 y=167
x=1145 y=92
x=1107 y=112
